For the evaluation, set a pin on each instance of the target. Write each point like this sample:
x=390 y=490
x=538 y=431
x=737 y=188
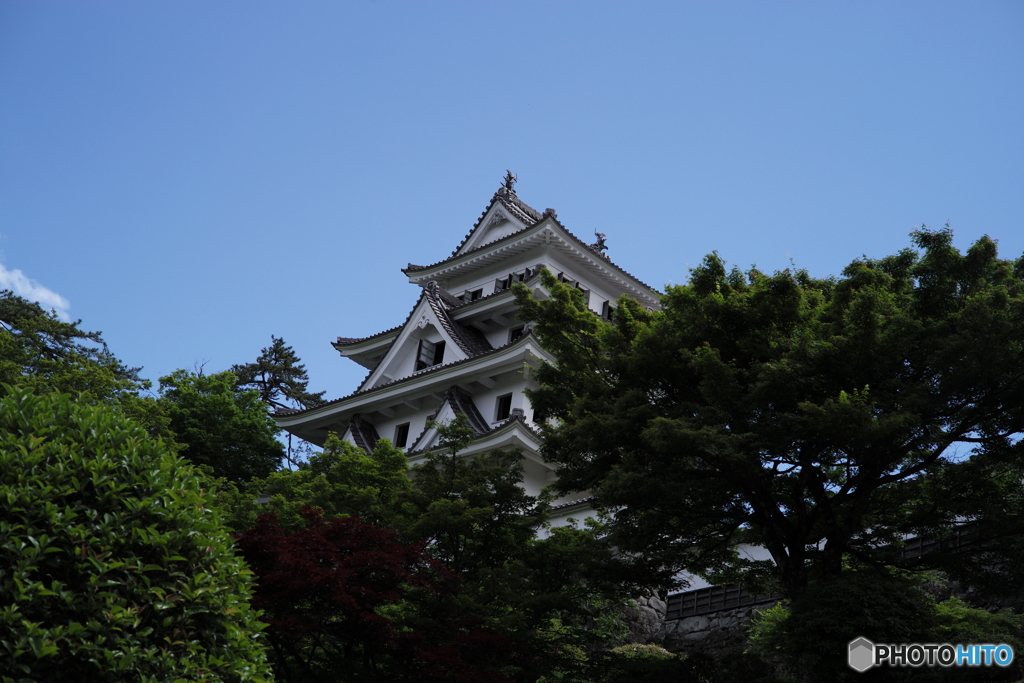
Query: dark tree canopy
x=279 y=377
x=824 y=419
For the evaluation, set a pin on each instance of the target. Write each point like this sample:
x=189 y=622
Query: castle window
x=401 y=435
x=429 y=354
x=607 y=310
x=503 y=408
x=515 y=333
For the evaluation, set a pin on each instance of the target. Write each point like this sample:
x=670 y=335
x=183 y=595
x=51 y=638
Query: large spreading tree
x=826 y=420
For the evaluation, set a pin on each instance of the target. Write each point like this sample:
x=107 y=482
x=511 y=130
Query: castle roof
x=473 y=244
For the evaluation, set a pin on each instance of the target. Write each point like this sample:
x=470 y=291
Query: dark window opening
x=505 y=283
x=515 y=333
x=474 y=295
x=429 y=354
x=607 y=310
x=504 y=408
x=401 y=435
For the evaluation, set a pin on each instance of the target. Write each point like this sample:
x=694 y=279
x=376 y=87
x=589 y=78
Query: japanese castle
x=462 y=349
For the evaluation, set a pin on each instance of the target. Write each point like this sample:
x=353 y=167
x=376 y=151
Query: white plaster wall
x=746 y=550
x=404 y=364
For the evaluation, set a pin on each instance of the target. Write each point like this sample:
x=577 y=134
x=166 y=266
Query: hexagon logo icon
x=861 y=656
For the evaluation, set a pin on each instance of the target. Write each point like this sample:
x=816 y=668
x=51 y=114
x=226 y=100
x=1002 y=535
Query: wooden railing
x=713 y=599
x=717 y=598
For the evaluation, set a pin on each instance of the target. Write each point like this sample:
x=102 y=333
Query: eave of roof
x=579 y=501
x=521 y=341
x=350 y=341
x=503 y=426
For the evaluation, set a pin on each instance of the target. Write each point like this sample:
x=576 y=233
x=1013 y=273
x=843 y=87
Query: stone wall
x=646 y=619
x=716 y=633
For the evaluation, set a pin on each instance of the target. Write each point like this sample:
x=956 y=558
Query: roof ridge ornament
x=600 y=246
x=508 y=188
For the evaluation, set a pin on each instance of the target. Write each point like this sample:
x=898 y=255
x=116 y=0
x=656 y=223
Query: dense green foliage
x=342 y=480
x=538 y=604
x=112 y=565
x=810 y=637
x=223 y=428
x=823 y=419
x=38 y=349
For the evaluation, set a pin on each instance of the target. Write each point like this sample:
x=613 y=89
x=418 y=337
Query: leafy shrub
x=811 y=636
x=112 y=568
x=636 y=663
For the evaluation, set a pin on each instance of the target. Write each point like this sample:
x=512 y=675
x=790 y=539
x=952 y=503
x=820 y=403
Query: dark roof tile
x=462 y=403
x=469 y=340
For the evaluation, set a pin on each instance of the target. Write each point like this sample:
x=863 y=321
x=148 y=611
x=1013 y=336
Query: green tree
x=556 y=593
x=548 y=598
x=279 y=377
x=343 y=480
x=113 y=567
x=223 y=428
x=810 y=637
x=823 y=419
x=38 y=349
x=281 y=381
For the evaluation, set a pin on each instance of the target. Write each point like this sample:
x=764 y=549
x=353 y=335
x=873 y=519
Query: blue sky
x=192 y=177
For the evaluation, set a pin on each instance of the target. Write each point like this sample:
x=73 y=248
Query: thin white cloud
x=20 y=284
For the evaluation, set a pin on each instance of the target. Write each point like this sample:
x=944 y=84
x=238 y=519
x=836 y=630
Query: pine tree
x=279 y=377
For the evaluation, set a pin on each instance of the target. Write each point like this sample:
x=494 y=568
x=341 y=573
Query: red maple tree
x=345 y=597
